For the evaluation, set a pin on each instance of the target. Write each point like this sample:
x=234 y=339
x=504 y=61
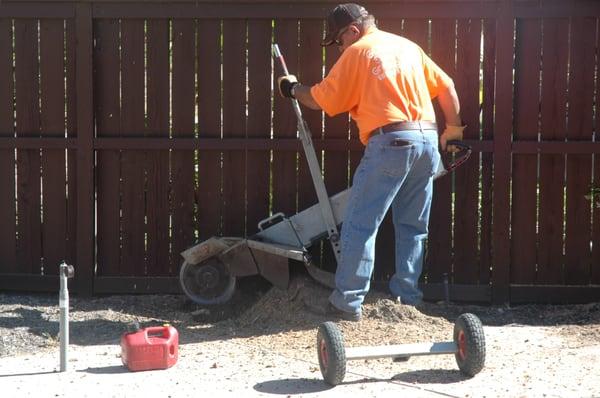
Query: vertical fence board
x=54 y=225
x=466 y=209
x=28 y=160
x=439 y=245
x=579 y=167
x=132 y=161
x=209 y=126
x=487 y=116
x=259 y=120
x=524 y=176
x=552 y=168
x=595 y=278
x=234 y=126
x=182 y=162
x=108 y=124
x=284 y=163
x=84 y=278
x=71 y=123
x=157 y=162
x=8 y=259
x=502 y=149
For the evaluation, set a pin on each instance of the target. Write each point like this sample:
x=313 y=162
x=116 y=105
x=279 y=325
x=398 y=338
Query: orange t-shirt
x=380 y=79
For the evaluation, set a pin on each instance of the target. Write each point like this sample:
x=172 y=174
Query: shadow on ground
x=409 y=379
x=292 y=386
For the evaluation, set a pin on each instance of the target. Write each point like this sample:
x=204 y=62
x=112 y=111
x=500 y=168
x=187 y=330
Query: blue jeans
x=389 y=175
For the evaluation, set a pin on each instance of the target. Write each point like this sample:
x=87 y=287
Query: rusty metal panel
x=239 y=259
x=274 y=268
x=208 y=248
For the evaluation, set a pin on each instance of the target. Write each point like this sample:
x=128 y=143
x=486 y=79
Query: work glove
x=285 y=84
x=451 y=133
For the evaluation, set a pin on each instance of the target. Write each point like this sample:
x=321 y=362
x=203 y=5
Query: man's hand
x=285 y=84
x=451 y=133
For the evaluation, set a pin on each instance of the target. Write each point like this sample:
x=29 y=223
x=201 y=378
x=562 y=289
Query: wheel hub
x=207 y=277
x=462 y=345
x=323 y=352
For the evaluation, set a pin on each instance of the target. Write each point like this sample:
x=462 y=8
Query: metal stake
x=65 y=272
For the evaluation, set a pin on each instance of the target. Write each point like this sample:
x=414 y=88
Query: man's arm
x=302 y=94
x=448 y=100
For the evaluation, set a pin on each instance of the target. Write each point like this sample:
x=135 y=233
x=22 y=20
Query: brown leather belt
x=397 y=126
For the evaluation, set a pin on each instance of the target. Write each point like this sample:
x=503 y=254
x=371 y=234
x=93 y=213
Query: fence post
x=85 y=152
x=503 y=122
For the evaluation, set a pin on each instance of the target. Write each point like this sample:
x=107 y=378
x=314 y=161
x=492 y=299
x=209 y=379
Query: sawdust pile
x=301 y=308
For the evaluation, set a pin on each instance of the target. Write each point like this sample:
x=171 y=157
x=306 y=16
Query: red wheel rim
x=323 y=353
x=462 y=345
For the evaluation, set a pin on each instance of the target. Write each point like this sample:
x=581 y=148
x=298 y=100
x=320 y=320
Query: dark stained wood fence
x=131 y=130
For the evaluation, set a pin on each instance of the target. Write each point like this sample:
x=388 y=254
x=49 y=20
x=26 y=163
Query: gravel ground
x=264 y=345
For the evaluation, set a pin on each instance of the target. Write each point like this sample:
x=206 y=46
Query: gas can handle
x=164 y=331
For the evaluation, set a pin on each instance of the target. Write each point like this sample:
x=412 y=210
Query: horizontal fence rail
x=132 y=130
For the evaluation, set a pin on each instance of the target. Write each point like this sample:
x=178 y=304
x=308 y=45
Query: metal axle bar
x=401 y=350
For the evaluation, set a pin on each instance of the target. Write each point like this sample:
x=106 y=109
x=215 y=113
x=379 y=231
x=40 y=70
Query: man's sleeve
x=435 y=77
x=338 y=92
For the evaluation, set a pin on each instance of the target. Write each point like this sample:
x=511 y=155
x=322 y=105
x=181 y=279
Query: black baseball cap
x=340 y=17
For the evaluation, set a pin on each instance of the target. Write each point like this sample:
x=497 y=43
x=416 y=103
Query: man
x=387 y=83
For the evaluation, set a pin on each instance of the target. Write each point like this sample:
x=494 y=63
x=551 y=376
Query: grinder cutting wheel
x=386 y=83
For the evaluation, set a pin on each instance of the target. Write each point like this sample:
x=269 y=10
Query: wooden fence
x=131 y=130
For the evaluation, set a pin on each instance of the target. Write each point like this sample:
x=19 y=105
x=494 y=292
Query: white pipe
x=63 y=304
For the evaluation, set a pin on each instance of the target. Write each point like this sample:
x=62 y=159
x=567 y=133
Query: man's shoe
x=323 y=307
x=347 y=316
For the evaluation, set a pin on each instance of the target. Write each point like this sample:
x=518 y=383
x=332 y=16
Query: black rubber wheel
x=331 y=353
x=470 y=341
x=207 y=283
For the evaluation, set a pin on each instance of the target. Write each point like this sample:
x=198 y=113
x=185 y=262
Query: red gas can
x=150 y=348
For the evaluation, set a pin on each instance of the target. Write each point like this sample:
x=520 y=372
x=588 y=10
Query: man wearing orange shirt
x=387 y=83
